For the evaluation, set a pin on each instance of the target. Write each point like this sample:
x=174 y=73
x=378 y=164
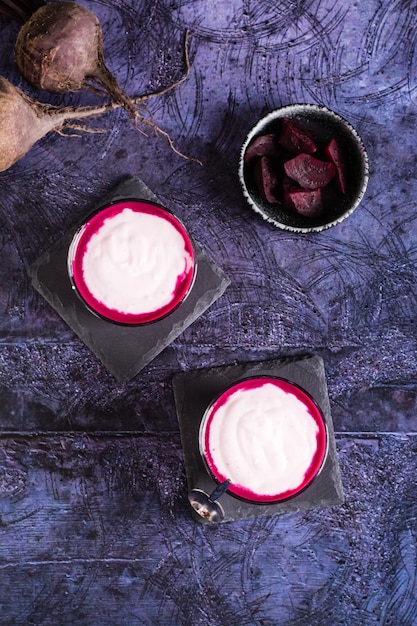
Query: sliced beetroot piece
x=333 y=152
x=295 y=138
x=309 y=172
x=266 y=179
x=305 y=202
x=264 y=145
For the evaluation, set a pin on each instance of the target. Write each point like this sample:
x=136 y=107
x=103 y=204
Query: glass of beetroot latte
x=132 y=262
x=267 y=436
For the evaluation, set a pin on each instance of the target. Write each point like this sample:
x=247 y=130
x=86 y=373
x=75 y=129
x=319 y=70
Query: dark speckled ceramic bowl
x=324 y=125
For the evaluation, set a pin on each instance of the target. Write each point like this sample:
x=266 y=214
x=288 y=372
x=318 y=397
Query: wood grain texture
x=95 y=526
x=96 y=530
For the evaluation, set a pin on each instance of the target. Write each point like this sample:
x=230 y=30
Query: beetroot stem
x=65 y=114
x=164 y=90
x=140 y=99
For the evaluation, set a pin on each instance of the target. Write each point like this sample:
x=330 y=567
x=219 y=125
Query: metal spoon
x=206 y=505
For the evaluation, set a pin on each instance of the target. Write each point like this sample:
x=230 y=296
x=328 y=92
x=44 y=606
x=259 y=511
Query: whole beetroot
x=24 y=121
x=60 y=49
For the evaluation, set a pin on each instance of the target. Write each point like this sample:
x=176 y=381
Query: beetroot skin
x=265 y=145
x=266 y=179
x=334 y=154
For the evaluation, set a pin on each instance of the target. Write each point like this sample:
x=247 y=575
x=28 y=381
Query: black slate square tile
x=124 y=350
x=195 y=390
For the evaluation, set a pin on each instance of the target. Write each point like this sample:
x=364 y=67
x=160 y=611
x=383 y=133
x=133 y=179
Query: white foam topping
x=132 y=263
x=263 y=439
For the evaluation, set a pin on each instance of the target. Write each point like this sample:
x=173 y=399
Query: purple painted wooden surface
x=95 y=527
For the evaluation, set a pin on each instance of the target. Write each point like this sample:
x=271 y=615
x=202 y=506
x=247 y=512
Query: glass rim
x=239 y=491
x=112 y=315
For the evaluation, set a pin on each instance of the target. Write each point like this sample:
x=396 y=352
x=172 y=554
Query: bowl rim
x=291 y=110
